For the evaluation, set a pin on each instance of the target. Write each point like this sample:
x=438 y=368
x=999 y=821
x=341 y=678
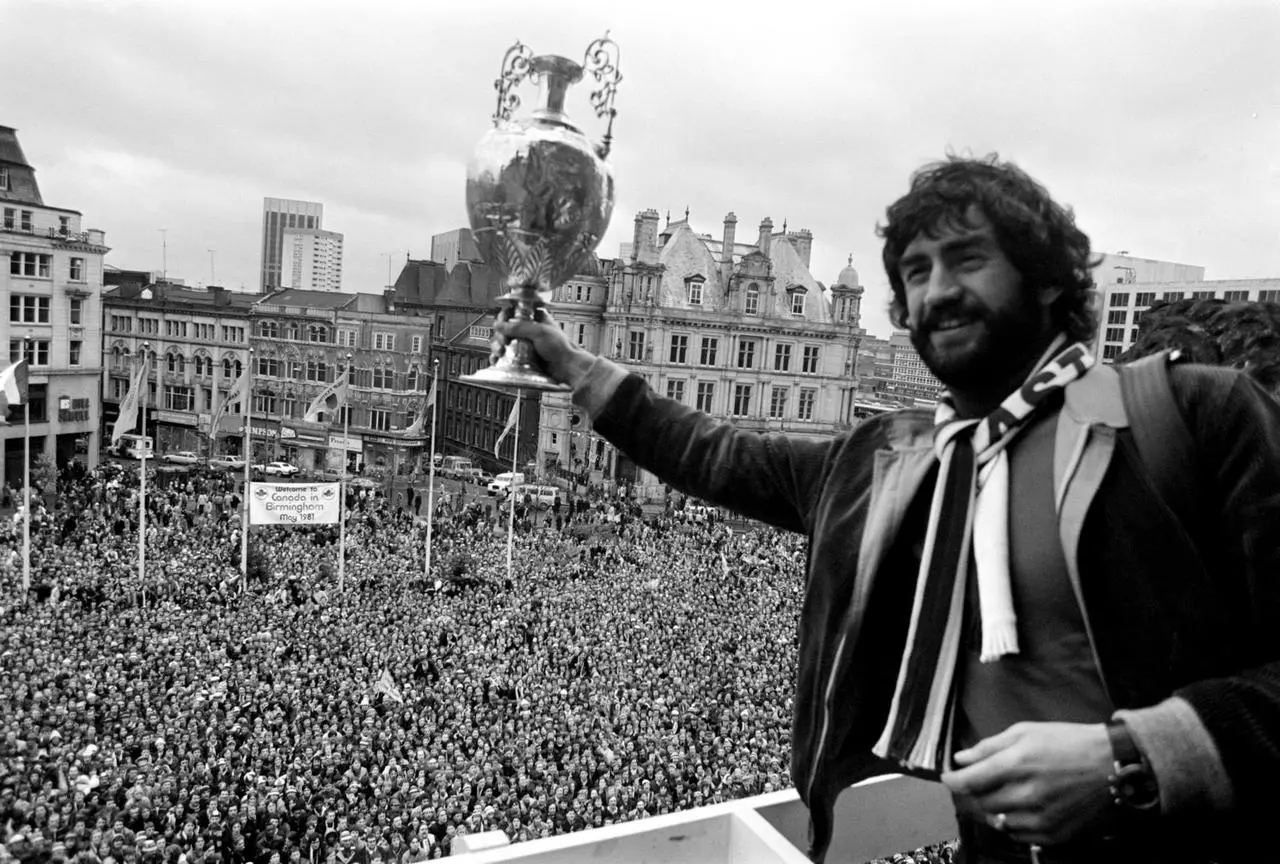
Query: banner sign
x=294 y=503
x=354 y=443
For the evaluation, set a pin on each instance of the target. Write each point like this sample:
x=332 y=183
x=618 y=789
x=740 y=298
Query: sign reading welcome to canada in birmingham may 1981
x=294 y=503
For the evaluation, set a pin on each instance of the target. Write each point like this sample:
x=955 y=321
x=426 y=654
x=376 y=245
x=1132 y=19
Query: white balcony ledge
x=874 y=819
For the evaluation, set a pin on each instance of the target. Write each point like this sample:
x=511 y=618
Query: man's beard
x=1004 y=341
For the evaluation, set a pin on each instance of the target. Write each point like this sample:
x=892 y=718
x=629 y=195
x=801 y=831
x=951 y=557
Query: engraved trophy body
x=540 y=194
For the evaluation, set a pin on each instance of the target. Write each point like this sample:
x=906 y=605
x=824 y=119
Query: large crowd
x=626 y=667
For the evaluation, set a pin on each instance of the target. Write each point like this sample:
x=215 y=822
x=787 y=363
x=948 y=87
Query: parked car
x=538 y=497
x=182 y=457
x=226 y=463
x=478 y=476
x=277 y=469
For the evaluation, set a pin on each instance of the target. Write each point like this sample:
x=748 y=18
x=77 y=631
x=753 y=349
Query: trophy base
x=515 y=377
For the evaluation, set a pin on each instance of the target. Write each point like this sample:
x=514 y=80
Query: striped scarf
x=969 y=513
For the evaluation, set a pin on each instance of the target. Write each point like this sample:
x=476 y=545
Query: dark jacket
x=1193 y=612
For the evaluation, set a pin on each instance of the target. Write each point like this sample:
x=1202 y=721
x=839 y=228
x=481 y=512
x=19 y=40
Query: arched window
x=231 y=368
x=177 y=364
x=383 y=376
x=317 y=333
x=269 y=329
x=291 y=331
x=751 y=300
x=411 y=381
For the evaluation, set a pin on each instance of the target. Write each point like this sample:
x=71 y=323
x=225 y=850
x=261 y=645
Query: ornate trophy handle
x=601 y=61
x=515 y=68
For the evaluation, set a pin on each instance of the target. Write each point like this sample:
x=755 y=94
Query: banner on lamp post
x=294 y=503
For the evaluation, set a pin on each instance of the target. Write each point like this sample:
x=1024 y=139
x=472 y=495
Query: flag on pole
x=129 y=407
x=13 y=386
x=330 y=399
x=387 y=686
x=420 y=422
x=506 y=430
x=239 y=392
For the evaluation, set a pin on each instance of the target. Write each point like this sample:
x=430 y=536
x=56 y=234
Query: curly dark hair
x=1038 y=235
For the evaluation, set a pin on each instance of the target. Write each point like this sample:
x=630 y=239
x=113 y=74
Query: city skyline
x=1159 y=130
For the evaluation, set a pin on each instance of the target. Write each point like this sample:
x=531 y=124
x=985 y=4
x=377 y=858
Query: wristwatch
x=1133 y=785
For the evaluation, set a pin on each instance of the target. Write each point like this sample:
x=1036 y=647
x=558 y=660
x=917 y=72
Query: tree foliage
x=1243 y=336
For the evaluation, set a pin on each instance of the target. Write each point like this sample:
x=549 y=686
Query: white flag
x=129 y=407
x=239 y=392
x=420 y=422
x=13 y=385
x=330 y=399
x=506 y=430
x=387 y=686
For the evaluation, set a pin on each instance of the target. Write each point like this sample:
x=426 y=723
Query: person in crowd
x=996 y=594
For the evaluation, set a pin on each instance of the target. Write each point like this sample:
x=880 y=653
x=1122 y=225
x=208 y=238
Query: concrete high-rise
x=311 y=259
x=279 y=215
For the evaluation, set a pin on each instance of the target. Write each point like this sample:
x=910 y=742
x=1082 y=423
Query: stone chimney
x=730 y=228
x=644 y=247
x=802 y=242
x=766 y=236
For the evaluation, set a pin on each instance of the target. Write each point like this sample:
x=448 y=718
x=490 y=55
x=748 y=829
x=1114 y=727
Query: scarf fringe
x=998 y=639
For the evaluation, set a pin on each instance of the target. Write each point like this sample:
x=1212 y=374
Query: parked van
x=541 y=497
x=455 y=466
x=504 y=481
x=135 y=446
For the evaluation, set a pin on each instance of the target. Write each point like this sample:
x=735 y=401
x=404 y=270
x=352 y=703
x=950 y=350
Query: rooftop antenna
x=164 y=254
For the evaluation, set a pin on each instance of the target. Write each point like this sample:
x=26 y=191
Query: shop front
x=303 y=448
x=179 y=430
x=386 y=455
x=352 y=446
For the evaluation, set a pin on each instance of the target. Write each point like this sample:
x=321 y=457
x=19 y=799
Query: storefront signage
x=383 y=439
x=294 y=503
x=178 y=418
x=353 y=443
x=73 y=410
x=268 y=429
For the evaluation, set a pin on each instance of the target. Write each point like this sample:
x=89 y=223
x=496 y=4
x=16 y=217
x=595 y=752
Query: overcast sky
x=1158 y=121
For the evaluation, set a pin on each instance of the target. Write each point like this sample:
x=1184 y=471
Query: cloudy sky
x=1157 y=120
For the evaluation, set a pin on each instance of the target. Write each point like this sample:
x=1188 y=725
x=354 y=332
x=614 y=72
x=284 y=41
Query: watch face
x=1136 y=788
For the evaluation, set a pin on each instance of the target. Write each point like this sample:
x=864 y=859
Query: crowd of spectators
x=624 y=668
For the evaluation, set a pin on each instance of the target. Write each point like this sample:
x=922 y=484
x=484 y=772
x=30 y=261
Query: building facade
x=311 y=259
x=279 y=215
x=199 y=344
x=52 y=288
x=738 y=330
x=1123 y=304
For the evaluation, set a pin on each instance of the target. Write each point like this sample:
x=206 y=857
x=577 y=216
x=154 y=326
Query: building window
x=179 y=398
x=675 y=390
x=30 y=265
x=75 y=315
x=36 y=353
x=480 y=331
x=1201 y=295
x=77 y=269
x=317 y=333
x=230 y=370
x=317 y=371
x=635 y=345
x=37 y=405
x=679 y=349
x=415 y=345
x=706 y=396
x=797 y=302
x=268 y=367
x=751 y=299
x=28 y=309
x=809 y=360
x=710 y=344
x=73 y=352
x=1115 y=334
x=777 y=403
x=26 y=221
x=1118 y=316
x=411 y=379
x=1236 y=296
x=380 y=420
x=1174 y=296
x=804 y=408
x=582 y=334
x=176 y=329
x=176 y=364
x=1145 y=298
x=64 y=225
x=383 y=341
x=232 y=334
x=1120 y=298
x=746 y=353
x=1110 y=352
x=782 y=357
x=741 y=400
x=4 y=178
x=1137 y=317
x=1133 y=335
x=347 y=338
x=695 y=292
x=10 y=218
x=288 y=407
x=268 y=329
x=383 y=378
x=149 y=326
x=1270 y=296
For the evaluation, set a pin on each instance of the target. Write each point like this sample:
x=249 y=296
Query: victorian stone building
x=52 y=287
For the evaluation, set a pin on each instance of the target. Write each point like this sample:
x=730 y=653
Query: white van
x=135 y=446
x=504 y=481
x=541 y=497
x=455 y=466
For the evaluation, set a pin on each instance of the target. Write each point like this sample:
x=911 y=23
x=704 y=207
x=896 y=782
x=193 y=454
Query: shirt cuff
x=597 y=387
x=1183 y=756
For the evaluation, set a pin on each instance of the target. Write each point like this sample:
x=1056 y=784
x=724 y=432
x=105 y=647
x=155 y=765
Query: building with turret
x=52 y=289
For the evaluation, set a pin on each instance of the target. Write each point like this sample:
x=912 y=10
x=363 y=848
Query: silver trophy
x=539 y=193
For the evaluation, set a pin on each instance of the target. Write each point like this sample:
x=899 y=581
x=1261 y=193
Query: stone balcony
x=874 y=819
